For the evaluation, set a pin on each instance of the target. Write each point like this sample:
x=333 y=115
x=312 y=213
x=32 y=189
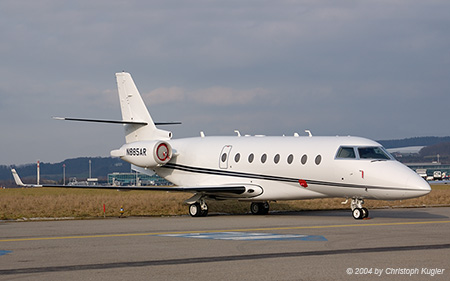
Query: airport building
x=431 y=171
x=124 y=179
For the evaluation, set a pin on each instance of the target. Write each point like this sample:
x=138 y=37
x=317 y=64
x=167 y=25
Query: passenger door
x=224 y=155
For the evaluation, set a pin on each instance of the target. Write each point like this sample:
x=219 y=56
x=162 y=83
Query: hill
x=417 y=141
x=429 y=154
x=76 y=167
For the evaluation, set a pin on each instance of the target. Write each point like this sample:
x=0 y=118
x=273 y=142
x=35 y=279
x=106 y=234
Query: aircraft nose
x=418 y=184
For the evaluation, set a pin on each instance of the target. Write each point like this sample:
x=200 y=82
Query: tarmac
x=393 y=244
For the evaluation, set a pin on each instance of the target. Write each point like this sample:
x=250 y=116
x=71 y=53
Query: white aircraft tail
x=17 y=178
x=140 y=126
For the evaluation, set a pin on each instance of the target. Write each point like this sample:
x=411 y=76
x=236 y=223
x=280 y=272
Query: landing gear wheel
x=198 y=209
x=255 y=208
x=258 y=208
x=357 y=213
x=195 y=210
x=365 y=213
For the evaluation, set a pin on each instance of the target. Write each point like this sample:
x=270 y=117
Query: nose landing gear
x=358 y=211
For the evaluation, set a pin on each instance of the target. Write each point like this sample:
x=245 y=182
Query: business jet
x=259 y=169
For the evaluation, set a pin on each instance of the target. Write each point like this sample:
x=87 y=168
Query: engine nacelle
x=146 y=154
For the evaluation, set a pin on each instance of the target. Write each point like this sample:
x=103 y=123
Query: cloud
x=165 y=95
x=217 y=95
x=228 y=96
x=360 y=67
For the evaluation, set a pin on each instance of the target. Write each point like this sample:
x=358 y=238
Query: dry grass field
x=26 y=203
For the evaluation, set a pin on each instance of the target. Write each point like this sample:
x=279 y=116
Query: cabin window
x=373 y=153
x=237 y=157
x=290 y=159
x=224 y=157
x=304 y=159
x=263 y=158
x=276 y=159
x=346 y=153
x=251 y=157
x=318 y=159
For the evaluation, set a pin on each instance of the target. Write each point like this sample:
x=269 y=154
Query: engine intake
x=146 y=154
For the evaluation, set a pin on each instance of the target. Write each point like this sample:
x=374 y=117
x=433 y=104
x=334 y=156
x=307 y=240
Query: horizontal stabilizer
x=114 y=121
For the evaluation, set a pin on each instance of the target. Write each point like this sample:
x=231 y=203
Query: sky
x=375 y=69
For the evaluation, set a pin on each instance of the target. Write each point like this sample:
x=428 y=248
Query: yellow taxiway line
x=221 y=230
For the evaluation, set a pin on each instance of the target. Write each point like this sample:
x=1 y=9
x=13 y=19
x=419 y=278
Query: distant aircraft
x=259 y=169
x=19 y=181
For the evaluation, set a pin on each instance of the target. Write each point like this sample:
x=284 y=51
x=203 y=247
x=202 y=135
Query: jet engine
x=146 y=154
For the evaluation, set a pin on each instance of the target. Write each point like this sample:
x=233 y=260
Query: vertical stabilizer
x=134 y=110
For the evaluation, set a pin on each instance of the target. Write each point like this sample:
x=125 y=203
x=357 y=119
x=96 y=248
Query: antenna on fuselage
x=309 y=133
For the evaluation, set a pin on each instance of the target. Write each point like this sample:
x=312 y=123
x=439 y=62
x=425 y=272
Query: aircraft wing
x=19 y=181
x=236 y=189
x=216 y=191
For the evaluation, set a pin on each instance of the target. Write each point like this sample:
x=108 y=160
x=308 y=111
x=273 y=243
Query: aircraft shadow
x=403 y=213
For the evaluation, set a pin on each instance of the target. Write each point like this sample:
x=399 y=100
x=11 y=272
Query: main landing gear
x=198 y=209
x=358 y=211
x=259 y=208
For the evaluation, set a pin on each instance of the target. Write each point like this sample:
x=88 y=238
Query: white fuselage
x=280 y=162
x=259 y=168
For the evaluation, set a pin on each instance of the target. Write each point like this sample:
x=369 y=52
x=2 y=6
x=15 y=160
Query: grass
x=20 y=203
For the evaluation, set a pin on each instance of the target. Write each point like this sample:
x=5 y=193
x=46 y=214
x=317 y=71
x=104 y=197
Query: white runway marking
x=248 y=236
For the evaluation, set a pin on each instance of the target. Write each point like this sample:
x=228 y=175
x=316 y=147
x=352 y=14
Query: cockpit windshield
x=346 y=153
x=377 y=153
x=371 y=152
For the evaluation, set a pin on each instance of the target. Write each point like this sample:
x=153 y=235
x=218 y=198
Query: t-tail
x=146 y=146
x=140 y=125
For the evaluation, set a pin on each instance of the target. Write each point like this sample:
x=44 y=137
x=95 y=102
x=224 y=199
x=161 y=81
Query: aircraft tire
x=357 y=213
x=258 y=208
x=255 y=208
x=195 y=210
x=365 y=213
